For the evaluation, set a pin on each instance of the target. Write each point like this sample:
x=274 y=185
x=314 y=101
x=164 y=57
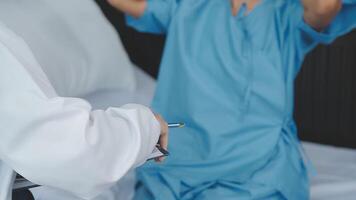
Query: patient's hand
x=236 y=5
x=135 y=8
x=320 y=13
x=163 y=139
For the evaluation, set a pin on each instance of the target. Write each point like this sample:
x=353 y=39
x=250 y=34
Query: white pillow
x=73 y=42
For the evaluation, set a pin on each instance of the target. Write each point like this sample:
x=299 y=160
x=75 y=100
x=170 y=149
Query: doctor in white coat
x=61 y=142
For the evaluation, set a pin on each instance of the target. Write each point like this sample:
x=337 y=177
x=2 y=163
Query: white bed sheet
x=336 y=172
x=336 y=167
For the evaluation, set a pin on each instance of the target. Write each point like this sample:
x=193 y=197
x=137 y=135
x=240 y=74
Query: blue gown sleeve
x=308 y=37
x=156 y=18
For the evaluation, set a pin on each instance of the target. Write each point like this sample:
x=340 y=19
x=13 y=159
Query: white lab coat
x=61 y=142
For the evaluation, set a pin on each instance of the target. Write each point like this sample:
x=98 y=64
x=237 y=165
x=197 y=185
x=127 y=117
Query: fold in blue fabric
x=231 y=80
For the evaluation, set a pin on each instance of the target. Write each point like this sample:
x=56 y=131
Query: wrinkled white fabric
x=125 y=188
x=62 y=142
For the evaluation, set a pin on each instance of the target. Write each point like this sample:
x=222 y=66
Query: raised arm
x=134 y=8
x=320 y=13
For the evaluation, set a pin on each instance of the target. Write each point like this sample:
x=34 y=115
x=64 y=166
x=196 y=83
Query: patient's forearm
x=135 y=8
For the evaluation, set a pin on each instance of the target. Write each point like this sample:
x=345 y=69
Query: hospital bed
x=336 y=167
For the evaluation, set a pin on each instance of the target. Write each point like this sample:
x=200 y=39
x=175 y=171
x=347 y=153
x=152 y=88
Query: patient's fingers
x=235 y=6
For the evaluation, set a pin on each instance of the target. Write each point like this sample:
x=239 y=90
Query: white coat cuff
x=149 y=134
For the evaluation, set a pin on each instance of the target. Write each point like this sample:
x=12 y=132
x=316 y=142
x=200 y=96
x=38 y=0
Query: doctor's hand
x=163 y=139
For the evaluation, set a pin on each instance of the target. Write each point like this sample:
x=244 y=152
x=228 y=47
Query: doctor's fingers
x=163 y=140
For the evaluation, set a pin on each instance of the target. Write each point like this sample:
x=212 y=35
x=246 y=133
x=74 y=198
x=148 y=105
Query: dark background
x=325 y=88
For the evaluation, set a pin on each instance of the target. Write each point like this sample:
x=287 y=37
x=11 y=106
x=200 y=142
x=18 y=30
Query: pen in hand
x=176 y=125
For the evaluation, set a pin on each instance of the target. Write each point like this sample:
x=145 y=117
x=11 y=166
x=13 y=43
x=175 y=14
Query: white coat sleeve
x=63 y=143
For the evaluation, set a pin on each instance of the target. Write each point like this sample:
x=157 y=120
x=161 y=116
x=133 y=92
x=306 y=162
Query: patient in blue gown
x=230 y=79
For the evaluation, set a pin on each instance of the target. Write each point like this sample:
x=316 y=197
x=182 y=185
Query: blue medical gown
x=230 y=79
